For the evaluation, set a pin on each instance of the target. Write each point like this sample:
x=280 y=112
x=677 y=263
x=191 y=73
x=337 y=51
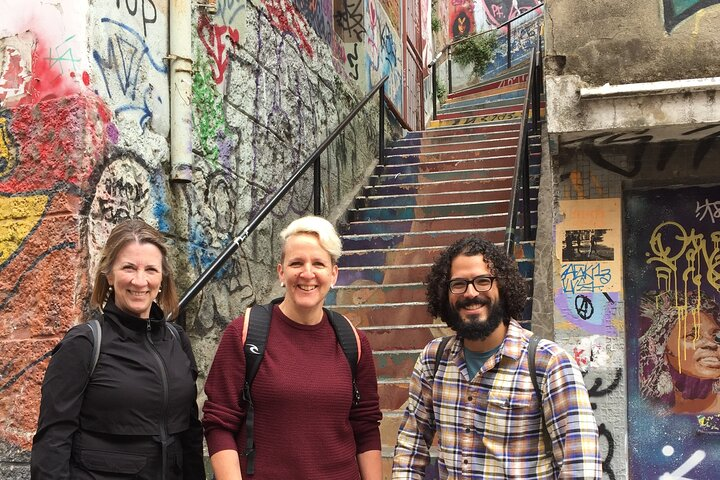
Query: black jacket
x=139 y=403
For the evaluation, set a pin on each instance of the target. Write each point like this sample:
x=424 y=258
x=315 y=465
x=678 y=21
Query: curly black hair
x=511 y=285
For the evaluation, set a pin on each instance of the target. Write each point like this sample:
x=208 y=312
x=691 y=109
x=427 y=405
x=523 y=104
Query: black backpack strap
x=256 y=327
x=349 y=341
x=440 y=352
x=532 y=348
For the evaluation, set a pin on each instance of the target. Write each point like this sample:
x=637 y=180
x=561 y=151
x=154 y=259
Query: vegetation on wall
x=434 y=18
x=476 y=51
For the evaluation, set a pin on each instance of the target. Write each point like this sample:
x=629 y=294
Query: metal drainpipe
x=181 y=159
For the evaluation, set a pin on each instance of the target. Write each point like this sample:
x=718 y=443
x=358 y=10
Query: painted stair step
x=450 y=146
x=388 y=338
x=428 y=211
x=501 y=100
x=397 y=365
x=407 y=313
x=469 y=130
x=454 y=137
x=458 y=153
x=443 y=176
x=477 y=120
x=363 y=293
x=416 y=239
x=504 y=182
x=426 y=224
x=516 y=75
x=477 y=112
x=441 y=198
x=524 y=251
x=445 y=165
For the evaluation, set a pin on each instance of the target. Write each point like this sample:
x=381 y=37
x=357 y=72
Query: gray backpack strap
x=96 y=330
x=532 y=348
x=440 y=352
x=173 y=330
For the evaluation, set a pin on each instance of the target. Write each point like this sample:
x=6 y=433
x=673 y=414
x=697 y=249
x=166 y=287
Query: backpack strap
x=256 y=326
x=440 y=352
x=173 y=330
x=532 y=348
x=349 y=341
x=96 y=330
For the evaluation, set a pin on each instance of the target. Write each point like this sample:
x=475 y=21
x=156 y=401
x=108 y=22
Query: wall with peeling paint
x=641 y=41
x=84 y=127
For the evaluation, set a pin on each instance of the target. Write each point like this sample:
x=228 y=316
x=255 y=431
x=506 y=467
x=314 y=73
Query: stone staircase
x=434 y=187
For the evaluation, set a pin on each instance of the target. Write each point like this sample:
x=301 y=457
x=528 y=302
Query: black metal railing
x=521 y=178
x=314 y=160
x=447 y=53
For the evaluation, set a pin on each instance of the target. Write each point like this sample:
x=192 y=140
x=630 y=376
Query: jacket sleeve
x=192 y=438
x=63 y=390
x=223 y=411
x=365 y=416
x=417 y=430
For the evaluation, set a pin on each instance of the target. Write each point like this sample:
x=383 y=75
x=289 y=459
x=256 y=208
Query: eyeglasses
x=481 y=283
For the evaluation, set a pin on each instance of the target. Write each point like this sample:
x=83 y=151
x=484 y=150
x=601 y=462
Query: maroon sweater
x=305 y=424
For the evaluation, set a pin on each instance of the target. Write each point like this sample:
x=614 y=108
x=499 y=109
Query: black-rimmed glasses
x=481 y=283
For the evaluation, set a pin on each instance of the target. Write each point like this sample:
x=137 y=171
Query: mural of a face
x=461 y=25
x=692 y=350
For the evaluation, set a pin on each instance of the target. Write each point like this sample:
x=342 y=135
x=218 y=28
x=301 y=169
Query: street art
x=637 y=142
x=500 y=11
x=672 y=310
x=584 y=278
x=392 y=9
x=208 y=113
x=8 y=148
x=383 y=53
x=587 y=245
x=461 y=20
x=286 y=19
x=146 y=9
x=319 y=14
x=349 y=20
x=127 y=54
x=675 y=11
x=218 y=41
x=709 y=210
x=14 y=76
x=592 y=312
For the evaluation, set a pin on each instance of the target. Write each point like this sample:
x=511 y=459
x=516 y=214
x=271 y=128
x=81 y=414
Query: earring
x=110 y=289
x=159 y=289
x=282 y=284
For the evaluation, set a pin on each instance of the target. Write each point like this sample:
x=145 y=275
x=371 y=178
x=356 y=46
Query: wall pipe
x=181 y=159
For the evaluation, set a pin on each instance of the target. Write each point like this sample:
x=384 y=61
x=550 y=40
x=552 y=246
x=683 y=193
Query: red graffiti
x=58 y=142
x=285 y=18
x=46 y=82
x=214 y=37
x=15 y=76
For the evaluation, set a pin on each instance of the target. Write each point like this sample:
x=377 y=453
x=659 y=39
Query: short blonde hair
x=321 y=228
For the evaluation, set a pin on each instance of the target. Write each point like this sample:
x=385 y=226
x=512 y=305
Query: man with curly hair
x=476 y=393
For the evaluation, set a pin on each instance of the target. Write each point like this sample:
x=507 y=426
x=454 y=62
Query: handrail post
x=537 y=82
x=449 y=62
x=381 y=140
x=526 y=189
x=316 y=185
x=509 y=33
x=434 y=90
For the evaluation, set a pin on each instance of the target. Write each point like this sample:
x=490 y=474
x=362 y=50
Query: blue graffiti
x=584 y=277
x=678 y=10
x=227 y=10
x=125 y=59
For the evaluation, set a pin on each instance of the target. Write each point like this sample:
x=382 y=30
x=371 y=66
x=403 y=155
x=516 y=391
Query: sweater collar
x=131 y=322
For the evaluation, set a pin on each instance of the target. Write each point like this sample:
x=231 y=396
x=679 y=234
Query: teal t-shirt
x=475 y=360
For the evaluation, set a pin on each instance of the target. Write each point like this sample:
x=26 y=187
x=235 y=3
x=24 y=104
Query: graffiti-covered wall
x=84 y=143
x=618 y=256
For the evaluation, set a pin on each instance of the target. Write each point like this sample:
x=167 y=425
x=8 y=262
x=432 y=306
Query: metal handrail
x=522 y=160
x=313 y=159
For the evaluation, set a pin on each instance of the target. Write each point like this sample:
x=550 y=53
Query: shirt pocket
x=510 y=415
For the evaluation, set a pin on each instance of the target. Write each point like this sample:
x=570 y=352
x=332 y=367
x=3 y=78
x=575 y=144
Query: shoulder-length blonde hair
x=134 y=230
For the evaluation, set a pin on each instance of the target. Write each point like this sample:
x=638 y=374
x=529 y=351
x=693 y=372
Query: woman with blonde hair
x=132 y=413
x=309 y=419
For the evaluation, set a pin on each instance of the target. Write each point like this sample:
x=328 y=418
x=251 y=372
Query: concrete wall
x=84 y=124
x=642 y=41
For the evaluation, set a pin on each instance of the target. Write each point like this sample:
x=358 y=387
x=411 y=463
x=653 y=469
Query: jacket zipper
x=166 y=395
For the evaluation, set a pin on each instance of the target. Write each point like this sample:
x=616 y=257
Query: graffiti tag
x=711 y=210
x=133 y=10
x=578 y=278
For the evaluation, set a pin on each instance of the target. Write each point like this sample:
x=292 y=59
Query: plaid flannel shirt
x=491 y=427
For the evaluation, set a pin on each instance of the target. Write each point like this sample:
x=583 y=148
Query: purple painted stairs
x=434 y=187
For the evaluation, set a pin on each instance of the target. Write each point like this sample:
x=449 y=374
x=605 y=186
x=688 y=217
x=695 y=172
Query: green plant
x=434 y=23
x=476 y=51
x=440 y=91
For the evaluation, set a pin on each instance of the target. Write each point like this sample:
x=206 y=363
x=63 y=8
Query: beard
x=472 y=327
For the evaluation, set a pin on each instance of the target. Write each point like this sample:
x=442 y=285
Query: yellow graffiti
x=18 y=217
x=693 y=249
x=8 y=153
